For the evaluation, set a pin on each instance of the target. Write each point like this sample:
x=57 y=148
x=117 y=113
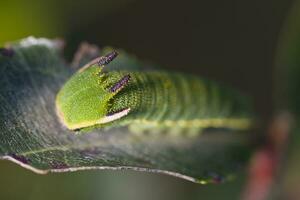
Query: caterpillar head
x=86 y=99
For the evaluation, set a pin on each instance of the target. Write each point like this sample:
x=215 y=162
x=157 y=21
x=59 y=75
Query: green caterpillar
x=148 y=100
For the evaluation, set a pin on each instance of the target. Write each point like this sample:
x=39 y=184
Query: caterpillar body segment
x=149 y=101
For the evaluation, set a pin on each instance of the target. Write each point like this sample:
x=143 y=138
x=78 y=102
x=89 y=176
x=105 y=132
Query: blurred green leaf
x=32 y=72
x=287 y=87
x=23 y=18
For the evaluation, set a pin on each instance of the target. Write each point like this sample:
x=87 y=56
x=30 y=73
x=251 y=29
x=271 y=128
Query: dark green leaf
x=31 y=135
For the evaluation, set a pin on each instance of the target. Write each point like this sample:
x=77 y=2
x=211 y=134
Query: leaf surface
x=31 y=74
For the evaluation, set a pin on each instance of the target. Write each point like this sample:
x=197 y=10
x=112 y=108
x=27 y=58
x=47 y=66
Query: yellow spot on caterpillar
x=233 y=123
x=203 y=182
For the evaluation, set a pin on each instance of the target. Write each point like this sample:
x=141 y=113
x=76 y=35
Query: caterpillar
x=148 y=100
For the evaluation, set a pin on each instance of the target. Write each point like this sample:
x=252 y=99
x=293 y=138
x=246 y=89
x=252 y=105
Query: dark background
x=233 y=41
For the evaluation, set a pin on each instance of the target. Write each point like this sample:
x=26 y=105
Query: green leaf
x=31 y=135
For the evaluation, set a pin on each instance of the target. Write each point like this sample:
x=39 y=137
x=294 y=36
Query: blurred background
x=233 y=41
